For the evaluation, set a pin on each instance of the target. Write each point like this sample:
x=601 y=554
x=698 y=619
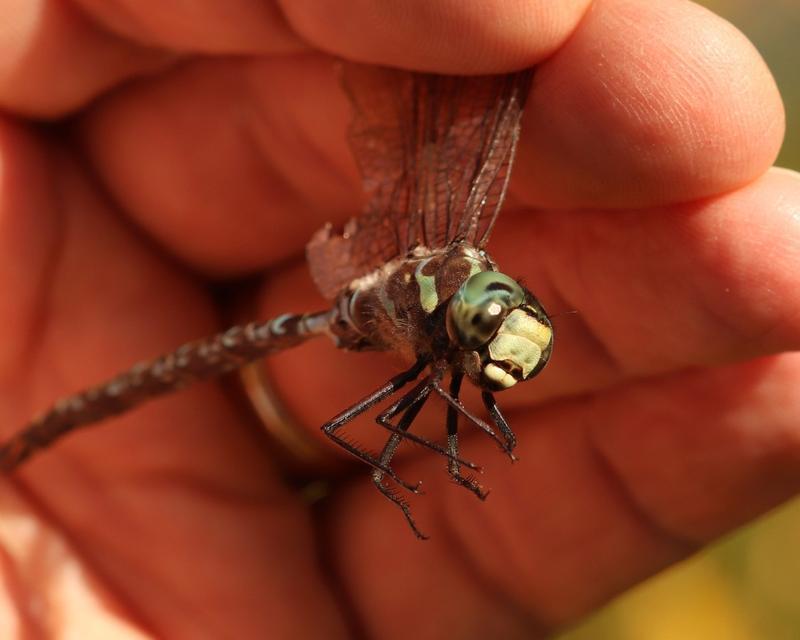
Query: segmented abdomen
x=192 y=362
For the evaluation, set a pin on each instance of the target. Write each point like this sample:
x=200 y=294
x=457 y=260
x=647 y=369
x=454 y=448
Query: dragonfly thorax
x=452 y=306
x=502 y=329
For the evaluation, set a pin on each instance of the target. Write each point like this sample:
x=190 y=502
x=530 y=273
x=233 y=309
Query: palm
x=644 y=439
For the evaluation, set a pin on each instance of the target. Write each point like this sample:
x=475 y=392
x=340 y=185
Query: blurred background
x=747 y=586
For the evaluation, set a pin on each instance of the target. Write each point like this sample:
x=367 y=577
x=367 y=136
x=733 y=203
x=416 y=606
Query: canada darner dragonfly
x=409 y=275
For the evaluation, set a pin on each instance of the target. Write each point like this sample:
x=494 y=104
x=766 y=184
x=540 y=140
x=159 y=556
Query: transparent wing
x=435 y=153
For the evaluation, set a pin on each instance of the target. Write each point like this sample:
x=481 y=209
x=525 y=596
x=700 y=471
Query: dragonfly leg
x=331 y=427
x=419 y=393
x=453 y=466
x=456 y=404
x=499 y=420
x=418 y=397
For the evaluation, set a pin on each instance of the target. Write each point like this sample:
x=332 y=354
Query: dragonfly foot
x=401 y=503
x=469 y=483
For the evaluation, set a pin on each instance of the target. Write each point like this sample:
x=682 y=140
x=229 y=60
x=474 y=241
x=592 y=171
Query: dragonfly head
x=502 y=329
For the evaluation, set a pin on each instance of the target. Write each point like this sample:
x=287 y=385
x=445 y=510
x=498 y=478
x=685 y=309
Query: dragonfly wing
x=434 y=152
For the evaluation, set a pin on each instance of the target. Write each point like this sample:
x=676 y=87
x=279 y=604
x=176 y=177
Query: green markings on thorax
x=428 y=297
x=429 y=288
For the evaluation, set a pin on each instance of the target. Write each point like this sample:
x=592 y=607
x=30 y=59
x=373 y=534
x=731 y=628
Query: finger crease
x=619 y=486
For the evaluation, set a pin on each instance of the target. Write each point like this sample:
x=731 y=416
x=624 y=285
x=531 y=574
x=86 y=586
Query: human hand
x=667 y=415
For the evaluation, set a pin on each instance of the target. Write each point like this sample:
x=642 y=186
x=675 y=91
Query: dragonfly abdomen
x=192 y=362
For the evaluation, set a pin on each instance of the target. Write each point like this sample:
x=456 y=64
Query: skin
x=205 y=143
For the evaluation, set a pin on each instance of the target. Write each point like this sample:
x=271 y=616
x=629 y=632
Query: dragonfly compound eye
x=479 y=307
x=507 y=327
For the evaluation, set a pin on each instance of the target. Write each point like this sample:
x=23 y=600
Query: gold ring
x=300 y=452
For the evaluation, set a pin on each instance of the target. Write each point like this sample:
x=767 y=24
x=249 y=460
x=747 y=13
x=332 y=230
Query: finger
x=446 y=36
x=645 y=103
x=663 y=289
x=133 y=498
x=648 y=103
x=607 y=492
x=228 y=148
x=691 y=285
x=232 y=164
x=206 y=27
x=654 y=292
x=54 y=58
x=58 y=56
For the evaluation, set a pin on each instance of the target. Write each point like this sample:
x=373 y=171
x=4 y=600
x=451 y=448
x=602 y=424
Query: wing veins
x=435 y=154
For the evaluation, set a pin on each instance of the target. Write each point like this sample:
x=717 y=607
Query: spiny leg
x=420 y=392
x=418 y=396
x=453 y=467
x=497 y=417
x=392 y=386
x=482 y=425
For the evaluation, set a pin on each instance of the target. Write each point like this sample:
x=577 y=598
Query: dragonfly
x=409 y=275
